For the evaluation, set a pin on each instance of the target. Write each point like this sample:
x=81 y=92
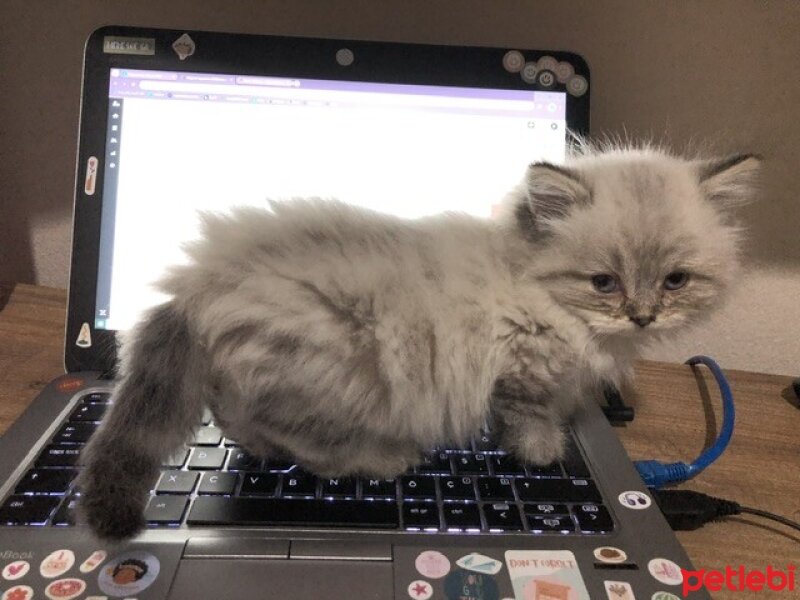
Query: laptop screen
x=178 y=143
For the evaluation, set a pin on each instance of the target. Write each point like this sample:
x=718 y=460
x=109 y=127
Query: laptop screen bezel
x=241 y=54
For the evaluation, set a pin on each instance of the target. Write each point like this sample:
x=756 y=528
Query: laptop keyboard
x=214 y=482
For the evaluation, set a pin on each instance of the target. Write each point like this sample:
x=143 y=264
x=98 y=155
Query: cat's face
x=637 y=243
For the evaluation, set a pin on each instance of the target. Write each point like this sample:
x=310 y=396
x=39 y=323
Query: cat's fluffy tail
x=154 y=408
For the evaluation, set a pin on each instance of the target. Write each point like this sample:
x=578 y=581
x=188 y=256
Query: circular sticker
x=57 y=563
x=513 y=61
x=16 y=570
x=18 y=592
x=91 y=563
x=665 y=571
x=467 y=585
x=564 y=71
x=664 y=596
x=547 y=78
x=635 y=500
x=432 y=564
x=577 y=85
x=529 y=72
x=65 y=589
x=420 y=590
x=345 y=57
x=128 y=574
x=609 y=554
x=547 y=63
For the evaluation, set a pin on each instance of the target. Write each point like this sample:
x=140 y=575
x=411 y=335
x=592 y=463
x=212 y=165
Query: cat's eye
x=676 y=280
x=605 y=283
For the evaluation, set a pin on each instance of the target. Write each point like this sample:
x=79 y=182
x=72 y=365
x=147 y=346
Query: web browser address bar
x=375 y=98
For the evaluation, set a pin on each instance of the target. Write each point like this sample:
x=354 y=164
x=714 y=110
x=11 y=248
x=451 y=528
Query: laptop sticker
x=609 y=554
x=635 y=500
x=432 y=564
x=545 y=574
x=184 y=46
x=513 y=61
x=84 y=337
x=665 y=571
x=128 y=573
x=16 y=570
x=420 y=590
x=619 y=590
x=661 y=596
x=65 y=589
x=129 y=45
x=467 y=585
x=18 y=592
x=480 y=563
x=91 y=176
x=57 y=563
x=91 y=563
x=69 y=384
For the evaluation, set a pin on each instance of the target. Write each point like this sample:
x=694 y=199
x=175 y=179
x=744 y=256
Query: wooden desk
x=677 y=412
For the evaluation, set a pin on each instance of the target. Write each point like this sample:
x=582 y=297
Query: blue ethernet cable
x=657 y=474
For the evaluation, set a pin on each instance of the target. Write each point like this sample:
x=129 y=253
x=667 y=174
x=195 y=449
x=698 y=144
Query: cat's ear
x=730 y=181
x=552 y=191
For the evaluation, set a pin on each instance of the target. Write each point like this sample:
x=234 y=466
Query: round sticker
x=18 y=592
x=529 y=72
x=91 y=563
x=432 y=564
x=547 y=63
x=128 y=574
x=57 y=563
x=665 y=571
x=635 y=500
x=16 y=570
x=664 y=596
x=467 y=585
x=513 y=61
x=547 y=78
x=564 y=71
x=577 y=85
x=65 y=589
x=609 y=554
x=420 y=590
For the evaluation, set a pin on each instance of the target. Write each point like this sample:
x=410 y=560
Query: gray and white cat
x=355 y=341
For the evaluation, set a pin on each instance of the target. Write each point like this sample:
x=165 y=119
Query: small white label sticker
x=480 y=563
x=91 y=176
x=619 y=590
x=18 y=592
x=184 y=46
x=432 y=564
x=16 y=570
x=635 y=500
x=91 y=563
x=420 y=590
x=609 y=554
x=129 y=45
x=65 y=589
x=665 y=571
x=57 y=563
x=84 y=337
x=545 y=573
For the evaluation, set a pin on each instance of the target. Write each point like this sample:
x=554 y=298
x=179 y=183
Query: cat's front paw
x=536 y=444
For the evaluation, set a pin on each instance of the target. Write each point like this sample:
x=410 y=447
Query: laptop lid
x=174 y=122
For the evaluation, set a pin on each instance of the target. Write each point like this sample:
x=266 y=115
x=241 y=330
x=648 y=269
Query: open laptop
x=173 y=122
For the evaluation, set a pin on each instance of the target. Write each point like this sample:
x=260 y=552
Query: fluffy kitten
x=356 y=341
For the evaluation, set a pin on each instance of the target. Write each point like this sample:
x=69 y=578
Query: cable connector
x=657 y=474
x=686 y=510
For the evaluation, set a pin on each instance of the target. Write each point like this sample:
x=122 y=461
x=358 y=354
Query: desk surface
x=677 y=412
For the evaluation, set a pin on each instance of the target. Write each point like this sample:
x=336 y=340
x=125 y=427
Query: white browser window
x=185 y=146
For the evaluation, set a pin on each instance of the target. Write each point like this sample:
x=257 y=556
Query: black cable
x=769 y=515
x=686 y=510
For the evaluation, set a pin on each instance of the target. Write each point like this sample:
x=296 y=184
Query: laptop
x=173 y=122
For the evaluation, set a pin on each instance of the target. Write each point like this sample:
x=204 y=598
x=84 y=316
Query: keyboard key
x=88 y=412
x=65 y=515
x=593 y=518
x=551 y=523
x=547 y=508
x=379 y=488
x=75 y=433
x=438 y=463
x=502 y=517
x=573 y=462
x=461 y=517
x=165 y=510
x=507 y=465
x=229 y=443
x=583 y=490
x=484 y=443
x=220 y=510
x=176 y=482
x=207 y=417
x=207 y=436
x=470 y=464
x=177 y=460
x=242 y=460
x=551 y=470
x=299 y=483
x=259 y=484
x=420 y=515
x=96 y=398
x=214 y=482
x=46 y=481
x=208 y=458
x=557 y=490
x=418 y=486
x=341 y=487
x=495 y=488
x=27 y=510
x=59 y=455
x=457 y=488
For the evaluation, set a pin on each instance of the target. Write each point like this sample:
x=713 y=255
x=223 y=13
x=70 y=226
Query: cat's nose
x=643 y=320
